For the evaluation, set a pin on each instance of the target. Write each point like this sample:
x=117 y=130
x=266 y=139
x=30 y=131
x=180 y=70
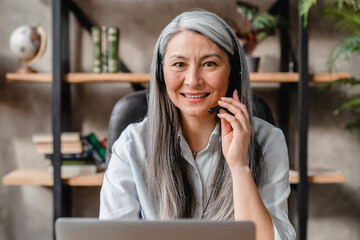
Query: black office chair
x=129 y=109
x=133 y=108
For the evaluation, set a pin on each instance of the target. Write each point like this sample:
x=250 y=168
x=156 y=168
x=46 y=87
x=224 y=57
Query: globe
x=27 y=43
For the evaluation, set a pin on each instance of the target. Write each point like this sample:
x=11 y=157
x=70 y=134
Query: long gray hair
x=169 y=183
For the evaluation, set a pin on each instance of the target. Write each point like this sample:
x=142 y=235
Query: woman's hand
x=235 y=131
x=235 y=138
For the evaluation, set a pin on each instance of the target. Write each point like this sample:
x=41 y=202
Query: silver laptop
x=92 y=228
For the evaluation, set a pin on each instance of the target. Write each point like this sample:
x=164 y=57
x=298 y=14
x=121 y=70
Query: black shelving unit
x=61 y=103
x=303 y=116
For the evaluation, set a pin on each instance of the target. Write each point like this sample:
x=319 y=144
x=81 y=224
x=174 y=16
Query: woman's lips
x=195 y=97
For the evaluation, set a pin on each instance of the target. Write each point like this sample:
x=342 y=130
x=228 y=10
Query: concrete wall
x=25 y=108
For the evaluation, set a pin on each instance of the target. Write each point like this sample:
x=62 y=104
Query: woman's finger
x=236 y=95
x=225 y=125
x=234 y=122
x=234 y=107
x=244 y=121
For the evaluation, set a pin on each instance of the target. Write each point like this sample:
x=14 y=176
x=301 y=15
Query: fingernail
x=236 y=93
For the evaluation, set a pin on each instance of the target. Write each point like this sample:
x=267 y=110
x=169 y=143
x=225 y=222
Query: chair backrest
x=133 y=108
x=129 y=109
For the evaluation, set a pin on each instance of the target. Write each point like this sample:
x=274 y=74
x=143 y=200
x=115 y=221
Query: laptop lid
x=92 y=228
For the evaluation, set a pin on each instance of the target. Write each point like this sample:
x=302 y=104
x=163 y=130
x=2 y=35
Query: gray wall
x=25 y=108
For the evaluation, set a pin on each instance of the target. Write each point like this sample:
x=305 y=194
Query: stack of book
x=105 y=49
x=95 y=149
x=70 y=142
x=79 y=155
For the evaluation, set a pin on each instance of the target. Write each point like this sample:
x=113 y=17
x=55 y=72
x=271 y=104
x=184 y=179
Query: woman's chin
x=198 y=113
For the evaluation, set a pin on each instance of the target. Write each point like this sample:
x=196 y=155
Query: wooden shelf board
x=43 y=177
x=107 y=77
x=145 y=77
x=28 y=177
x=80 y=77
x=29 y=77
x=327 y=77
x=320 y=176
x=274 y=77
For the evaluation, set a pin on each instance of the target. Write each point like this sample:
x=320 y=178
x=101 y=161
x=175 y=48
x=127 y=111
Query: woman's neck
x=197 y=131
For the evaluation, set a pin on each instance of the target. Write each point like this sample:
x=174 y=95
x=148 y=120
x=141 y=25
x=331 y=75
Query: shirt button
x=197 y=176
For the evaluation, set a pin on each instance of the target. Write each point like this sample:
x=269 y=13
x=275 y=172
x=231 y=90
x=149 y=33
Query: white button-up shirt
x=124 y=193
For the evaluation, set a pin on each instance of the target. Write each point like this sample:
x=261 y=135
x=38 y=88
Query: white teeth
x=195 y=96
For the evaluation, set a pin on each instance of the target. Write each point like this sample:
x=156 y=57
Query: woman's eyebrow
x=177 y=56
x=211 y=55
x=203 y=57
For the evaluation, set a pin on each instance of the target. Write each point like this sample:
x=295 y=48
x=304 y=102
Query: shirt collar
x=216 y=134
x=213 y=144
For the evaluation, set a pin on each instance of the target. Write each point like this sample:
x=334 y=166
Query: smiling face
x=196 y=73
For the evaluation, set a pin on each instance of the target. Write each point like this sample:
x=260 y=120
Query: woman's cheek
x=172 y=80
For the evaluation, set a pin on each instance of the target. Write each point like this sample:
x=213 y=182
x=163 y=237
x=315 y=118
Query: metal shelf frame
x=60 y=102
x=303 y=120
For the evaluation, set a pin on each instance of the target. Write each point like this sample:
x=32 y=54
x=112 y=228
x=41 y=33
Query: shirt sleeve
x=275 y=188
x=118 y=196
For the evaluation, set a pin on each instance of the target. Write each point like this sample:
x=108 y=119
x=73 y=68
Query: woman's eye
x=179 y=65
x=210 y=64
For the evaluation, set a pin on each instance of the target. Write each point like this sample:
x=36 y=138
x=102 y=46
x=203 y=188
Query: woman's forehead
x=189 y=42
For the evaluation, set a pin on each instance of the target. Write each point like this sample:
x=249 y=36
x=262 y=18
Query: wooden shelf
x=43 y=177
x=145 y=77
x=80 y=77
x=320 y=176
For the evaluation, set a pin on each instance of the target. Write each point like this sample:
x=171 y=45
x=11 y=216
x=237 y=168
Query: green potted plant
x=257 y=28
x=346 y=16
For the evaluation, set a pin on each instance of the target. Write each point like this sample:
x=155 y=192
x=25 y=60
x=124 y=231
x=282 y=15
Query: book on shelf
x=75 y=149
x=113 y=42
x=48 y=137
x=104 y=49
x=80 y=161
x=74 y=164
x=70 y=142
x=66 y=147
x=76 y=169
x=92 y=144
x=72 y=156
x=96 y=39
x=104 y=142
x=105 y=42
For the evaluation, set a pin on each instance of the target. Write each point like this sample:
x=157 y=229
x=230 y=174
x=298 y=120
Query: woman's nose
x=193 y=77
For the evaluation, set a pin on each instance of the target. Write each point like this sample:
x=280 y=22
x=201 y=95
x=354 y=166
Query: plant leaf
x=344 y=50
x=327 y=86
x=349 y=104
x=342 y=81
x=346 y=17
x=357 y=110
x=261 y=36
x=353 y=126
x=264 y=21
x=247 y=10
x=304 y=8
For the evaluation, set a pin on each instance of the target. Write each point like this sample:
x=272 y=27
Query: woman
x=184 y=162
